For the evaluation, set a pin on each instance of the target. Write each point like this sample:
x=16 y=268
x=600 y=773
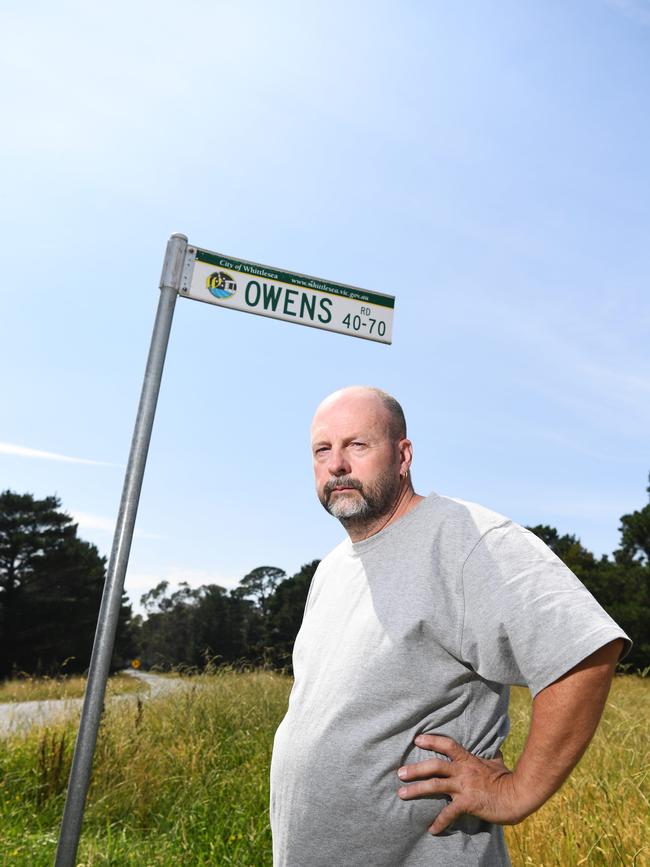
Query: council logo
x=220 y=284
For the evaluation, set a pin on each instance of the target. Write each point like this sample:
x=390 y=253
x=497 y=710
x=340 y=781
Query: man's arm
x=565 y=716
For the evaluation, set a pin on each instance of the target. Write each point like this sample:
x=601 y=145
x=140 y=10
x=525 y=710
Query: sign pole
x=114 y=585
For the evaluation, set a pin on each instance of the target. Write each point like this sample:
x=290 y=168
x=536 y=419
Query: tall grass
x=183 y=779
x=178 y=779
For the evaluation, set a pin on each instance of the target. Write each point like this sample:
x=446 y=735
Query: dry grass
x=30 y=688
x=601 y=816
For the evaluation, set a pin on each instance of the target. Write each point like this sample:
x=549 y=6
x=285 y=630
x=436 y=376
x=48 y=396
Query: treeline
x=255 y=623
x=51 y=583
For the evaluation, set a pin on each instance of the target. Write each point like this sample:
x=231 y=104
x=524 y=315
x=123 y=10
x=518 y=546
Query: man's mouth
x=343 y=487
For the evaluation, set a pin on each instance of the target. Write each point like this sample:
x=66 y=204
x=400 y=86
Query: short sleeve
x=527 y=618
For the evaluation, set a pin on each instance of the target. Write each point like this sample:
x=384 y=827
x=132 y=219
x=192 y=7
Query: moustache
x=342 y=482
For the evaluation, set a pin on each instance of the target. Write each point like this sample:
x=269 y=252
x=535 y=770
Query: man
x=413 y=629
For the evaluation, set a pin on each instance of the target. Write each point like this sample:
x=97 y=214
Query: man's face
x=356 y=459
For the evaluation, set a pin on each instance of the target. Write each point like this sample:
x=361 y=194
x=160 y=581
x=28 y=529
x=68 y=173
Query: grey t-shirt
x=419 y=628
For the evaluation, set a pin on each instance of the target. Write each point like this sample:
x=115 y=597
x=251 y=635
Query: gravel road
x=20 y=716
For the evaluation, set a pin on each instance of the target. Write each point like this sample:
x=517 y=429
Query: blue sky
x=486 y=163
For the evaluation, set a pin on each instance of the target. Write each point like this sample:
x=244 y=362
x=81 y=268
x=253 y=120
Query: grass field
x=182 y=779
x=69 y=686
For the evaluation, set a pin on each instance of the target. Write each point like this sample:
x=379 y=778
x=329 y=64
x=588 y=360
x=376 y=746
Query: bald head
x=368 y=398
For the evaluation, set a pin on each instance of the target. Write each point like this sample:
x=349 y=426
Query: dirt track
x=20 y=716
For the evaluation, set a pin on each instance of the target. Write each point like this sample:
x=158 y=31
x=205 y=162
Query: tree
x=286 y=609
x=193 y=625
x=260 y=584
x=635 y=536
x=29 y=529
x=50 y=589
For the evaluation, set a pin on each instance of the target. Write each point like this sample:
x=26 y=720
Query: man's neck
x=406 y=500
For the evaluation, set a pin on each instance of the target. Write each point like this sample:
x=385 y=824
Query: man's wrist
x=526 y=795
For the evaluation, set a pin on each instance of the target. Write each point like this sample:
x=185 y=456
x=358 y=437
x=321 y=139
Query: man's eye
x=321 y=450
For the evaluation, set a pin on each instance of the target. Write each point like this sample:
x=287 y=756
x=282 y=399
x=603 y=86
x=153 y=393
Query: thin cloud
x=25 y=452
x=93 y=522
x=87 y=521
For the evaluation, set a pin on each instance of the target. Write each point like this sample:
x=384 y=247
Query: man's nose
x=338 y=465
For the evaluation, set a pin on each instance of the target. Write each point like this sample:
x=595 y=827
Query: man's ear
x=406 y=456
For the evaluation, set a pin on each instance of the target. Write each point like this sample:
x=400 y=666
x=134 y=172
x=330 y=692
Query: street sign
x=267 y=291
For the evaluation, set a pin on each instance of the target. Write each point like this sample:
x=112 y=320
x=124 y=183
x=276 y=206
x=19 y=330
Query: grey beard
x=371 y=502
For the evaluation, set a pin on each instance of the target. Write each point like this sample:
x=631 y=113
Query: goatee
x=366 y=502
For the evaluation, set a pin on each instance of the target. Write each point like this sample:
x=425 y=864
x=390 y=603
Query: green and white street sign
x=267 y=291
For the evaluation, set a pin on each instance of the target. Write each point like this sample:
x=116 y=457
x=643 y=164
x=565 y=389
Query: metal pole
x=114 y=584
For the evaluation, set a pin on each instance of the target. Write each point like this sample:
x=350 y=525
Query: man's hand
x=482 y=787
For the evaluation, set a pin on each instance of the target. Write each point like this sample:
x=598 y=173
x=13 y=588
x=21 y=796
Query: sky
x=484 y=162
